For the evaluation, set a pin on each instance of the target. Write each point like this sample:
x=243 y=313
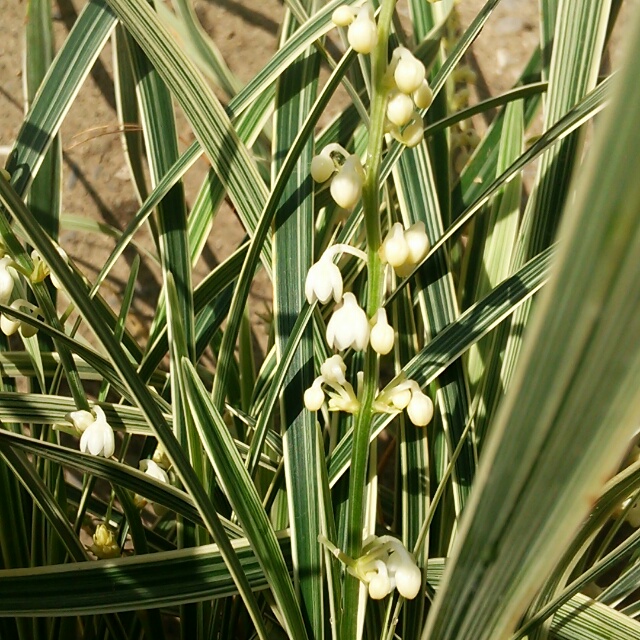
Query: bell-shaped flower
x=406 y=574
x=155 y=471
x=363 y=31
x=314 y=396
x=9 y=325
x=348 y=326
x=420 y=408
x=399 y=108
x=6 y=279
x=98 y=438
x=380 y=586
x=417 y=241
x=409 y=71
x=382 y=334
x=324 y=281
x=104 y=543
x=333 y=369
x=343 y=16
x=423 y=96
x=81 y=419
x=322 y=166
x=394 y=249
x=346 y=186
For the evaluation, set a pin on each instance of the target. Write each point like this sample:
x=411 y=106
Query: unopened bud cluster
x=409 y=93
x=384 y=565
x=403 y=249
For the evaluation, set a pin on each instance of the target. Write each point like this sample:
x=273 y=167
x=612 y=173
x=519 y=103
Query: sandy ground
x=96 y=180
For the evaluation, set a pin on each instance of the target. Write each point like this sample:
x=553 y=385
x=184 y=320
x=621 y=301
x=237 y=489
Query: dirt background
x=96 y=179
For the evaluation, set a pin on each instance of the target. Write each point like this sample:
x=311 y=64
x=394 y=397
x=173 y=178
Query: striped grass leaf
x=58 y=90
x=242 y=494
x=583 y=343
x=293 y=255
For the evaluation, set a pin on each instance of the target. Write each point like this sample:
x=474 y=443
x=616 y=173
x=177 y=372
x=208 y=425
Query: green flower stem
x=375 y=284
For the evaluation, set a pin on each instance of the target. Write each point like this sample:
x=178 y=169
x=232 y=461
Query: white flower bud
x=81 y=419
x=322 y=167
x=417 y=241
x=98 y=438
x=8 y=325
x=348 y=326
x=423 y=96
x=395 y=249
x=153 y=470
x=346 y=186
x=413 y=134
x=314 y=396
x=343 y=16
x=382 y=334
x=363 y=32
x=399 y=108
x=379 y=587
x=333 y=369
x=6 y=279
x=324 y=281
x=407 y=575
x=420 y=409
x=409 y=72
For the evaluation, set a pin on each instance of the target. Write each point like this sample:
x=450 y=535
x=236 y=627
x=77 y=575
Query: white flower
x=346 y=186
x=153 y=470
x=6 y=279
x=322 y=166
x=343 y=16
x=395 y=249
x=324 y=281
x=9 y=325
x=98 y=438
x=363 y=32
x=81 y=419
x=423 y=96
x=348 y=326
x=420 y=408
x=314 y=396
x=413 y=134
x=333 y=369
x=382 y=334
x=418 y=242
x=409 y=72
x=379 y=584
x=406 y=574
x=399 y=108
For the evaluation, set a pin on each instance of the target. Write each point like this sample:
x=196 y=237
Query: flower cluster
x=346 y=184
x=341 y=394
x=384 y=565
x=406 y=395
x=97 y=437
x=409 y=93
x=363 y=31
x=404 y=249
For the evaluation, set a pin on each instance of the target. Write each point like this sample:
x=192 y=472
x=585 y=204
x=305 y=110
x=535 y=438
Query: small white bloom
x=413 y=134
x=395 y=249
x=154 y=470
x=417 y=241
x=382 y=334
x=405 y=572
x=333 y=369
x=324 y=281
x=314 y=396
x=409 y=72
x=98 y=438
x=363 y=31
x=380 y=585
x=399 y=108
x=6 y=279
x=423 y=96
x=9 y=325
x=348 y=326
x=346 y=186
x=420 y=408
x=81 y=419
x=343 y=16
x=322 y=167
